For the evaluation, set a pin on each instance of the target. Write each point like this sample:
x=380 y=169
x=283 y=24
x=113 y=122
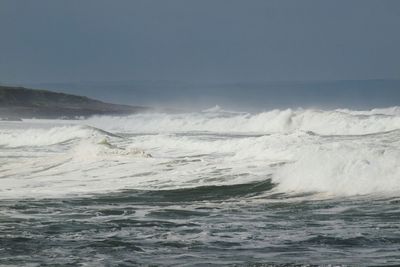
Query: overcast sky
x=198 y=40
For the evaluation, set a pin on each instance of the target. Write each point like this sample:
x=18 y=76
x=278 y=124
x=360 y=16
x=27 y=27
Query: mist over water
x=214 y=187
x=239 y=96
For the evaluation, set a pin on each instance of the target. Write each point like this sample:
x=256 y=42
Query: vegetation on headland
x=20 y=102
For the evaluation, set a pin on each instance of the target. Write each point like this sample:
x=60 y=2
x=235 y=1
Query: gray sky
x=198 y=40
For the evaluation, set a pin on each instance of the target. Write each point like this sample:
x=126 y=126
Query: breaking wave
x=336 y=122
x=339 y=152
x=342 y=169
x=43 y=137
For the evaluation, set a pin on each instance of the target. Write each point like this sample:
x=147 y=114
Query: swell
x=200 y=193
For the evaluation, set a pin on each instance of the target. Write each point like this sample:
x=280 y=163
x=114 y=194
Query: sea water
x=217 y=187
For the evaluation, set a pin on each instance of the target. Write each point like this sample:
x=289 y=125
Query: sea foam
x=333 y=122
x=338 y=152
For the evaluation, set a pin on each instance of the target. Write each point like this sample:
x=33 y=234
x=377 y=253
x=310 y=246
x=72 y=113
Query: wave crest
x=334 y=122
x=48 y=136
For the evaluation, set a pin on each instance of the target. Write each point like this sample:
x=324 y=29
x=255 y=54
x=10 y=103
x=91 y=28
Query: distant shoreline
x=18 y=103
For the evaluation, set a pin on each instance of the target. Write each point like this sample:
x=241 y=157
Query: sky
x=198 y=41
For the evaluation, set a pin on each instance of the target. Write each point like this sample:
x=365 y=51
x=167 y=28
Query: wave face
x=337 y=152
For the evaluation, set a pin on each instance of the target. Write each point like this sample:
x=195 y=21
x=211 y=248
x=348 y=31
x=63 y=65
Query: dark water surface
x=213 y=225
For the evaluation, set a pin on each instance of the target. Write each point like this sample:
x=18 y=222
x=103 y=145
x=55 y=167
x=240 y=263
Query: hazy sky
x=198 y=40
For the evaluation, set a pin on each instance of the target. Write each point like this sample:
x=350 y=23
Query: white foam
x=334 y=161
x=101 y=149
x=334 y=122
x=342 y=168
x=42 y=137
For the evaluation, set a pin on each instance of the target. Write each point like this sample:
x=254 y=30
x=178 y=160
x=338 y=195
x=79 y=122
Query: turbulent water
x=217 y=187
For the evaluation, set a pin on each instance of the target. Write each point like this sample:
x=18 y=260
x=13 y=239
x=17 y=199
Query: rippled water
x=249 y=191
x=200 y=226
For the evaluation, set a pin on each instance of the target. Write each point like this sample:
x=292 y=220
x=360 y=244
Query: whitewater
x=215 y=187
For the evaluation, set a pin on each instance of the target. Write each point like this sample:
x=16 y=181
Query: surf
x=330 y=152
x=326 y=122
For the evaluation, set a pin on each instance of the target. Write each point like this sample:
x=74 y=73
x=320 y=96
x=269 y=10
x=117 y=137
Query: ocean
x=283 y=187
